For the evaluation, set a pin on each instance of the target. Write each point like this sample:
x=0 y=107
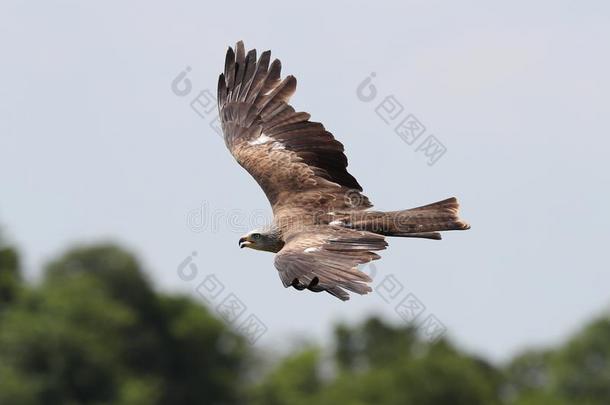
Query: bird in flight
x=322 y=226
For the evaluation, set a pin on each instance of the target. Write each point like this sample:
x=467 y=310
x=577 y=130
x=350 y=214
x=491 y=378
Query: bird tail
x=421 y=222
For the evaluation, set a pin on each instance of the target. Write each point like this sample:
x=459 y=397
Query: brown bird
x=322 y=227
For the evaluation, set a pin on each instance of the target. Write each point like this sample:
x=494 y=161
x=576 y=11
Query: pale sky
x=95 y=146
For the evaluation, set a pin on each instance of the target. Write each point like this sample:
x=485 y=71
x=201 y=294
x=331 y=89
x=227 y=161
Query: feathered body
x=323 y=228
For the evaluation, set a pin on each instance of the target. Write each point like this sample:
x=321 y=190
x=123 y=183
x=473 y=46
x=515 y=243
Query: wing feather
x=230 y=68
x=240 y=68
x=286 y=153
x=260 y=72
x=248 y=74
x=326 y=258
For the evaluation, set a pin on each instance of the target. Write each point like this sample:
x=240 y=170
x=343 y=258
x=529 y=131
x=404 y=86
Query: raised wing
x=299 y=165
x=326 y=258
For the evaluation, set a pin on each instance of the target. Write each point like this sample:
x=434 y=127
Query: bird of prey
x=322 y=226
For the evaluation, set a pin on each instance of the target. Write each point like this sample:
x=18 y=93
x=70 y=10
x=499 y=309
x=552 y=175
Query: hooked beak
x=244 y=242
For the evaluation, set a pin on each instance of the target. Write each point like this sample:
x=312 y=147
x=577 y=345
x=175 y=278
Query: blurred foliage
x=10 y=277
x=382 y=364
x=94 y=331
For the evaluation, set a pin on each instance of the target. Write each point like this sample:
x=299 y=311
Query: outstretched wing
x=326 y=258
x=299 y=165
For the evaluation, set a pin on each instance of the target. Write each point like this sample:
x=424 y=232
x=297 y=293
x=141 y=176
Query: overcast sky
x=95 y=146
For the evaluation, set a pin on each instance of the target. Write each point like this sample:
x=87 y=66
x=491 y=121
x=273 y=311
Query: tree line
x=94 y=330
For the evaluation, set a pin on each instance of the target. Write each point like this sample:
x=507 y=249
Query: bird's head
x=259 y=240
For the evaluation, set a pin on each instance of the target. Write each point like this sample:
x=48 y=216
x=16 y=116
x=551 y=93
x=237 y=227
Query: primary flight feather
x=322 y=227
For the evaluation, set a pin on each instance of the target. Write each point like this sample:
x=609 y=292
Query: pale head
x=268 y=240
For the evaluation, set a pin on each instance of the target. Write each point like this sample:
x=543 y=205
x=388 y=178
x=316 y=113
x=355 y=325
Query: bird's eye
x=256 y=235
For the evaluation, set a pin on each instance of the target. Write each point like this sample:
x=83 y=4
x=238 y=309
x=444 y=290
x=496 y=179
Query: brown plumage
x=322 y=228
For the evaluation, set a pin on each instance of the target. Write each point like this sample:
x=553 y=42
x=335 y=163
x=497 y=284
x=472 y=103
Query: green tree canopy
x=10 y=276
x=95 y=332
